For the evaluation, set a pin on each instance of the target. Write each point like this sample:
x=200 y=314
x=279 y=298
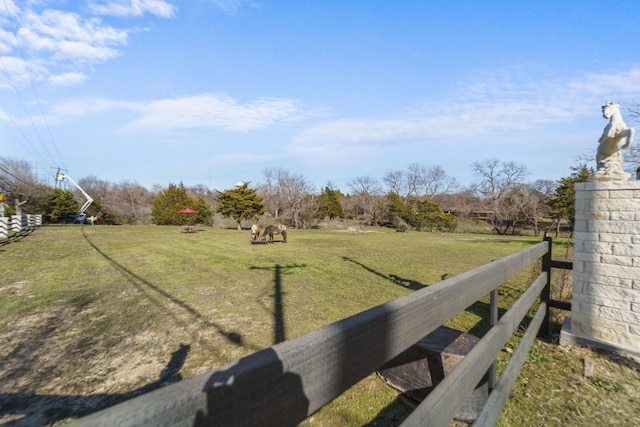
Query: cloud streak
x=127 y=8
x=499 y=106
x=214 y=111
x=204 y=111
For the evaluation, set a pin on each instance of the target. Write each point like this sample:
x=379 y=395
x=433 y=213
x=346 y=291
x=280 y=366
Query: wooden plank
x=498 y=397
x=439 y=408
x=565 y=265
x=563 y=305
x=286 y=383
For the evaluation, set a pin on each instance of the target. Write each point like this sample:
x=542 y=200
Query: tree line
x=419 y=197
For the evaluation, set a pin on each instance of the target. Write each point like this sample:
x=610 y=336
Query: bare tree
x=416 y=179
x=438 y=182
x=133 y=202
x=396 y=183
x=129 y=202
x=19 y=183
x=270 y=191
x=534 y=203
x=366 y=195
x=463 y=203
x=498 y=183
x=420 y=181
x=284 y=193
x=365 y=185
x=98 y=189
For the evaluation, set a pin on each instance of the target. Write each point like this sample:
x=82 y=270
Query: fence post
x=545 y=295
x=4 y=227
x=16 y=223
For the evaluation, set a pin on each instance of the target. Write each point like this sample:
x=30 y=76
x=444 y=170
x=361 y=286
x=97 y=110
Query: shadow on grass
x=278 y=306
x=35 y=409
x=393 y=414
x=393 y=278
x=17 y=236
x=147 y=288
x=28 y=409
x=480 y=309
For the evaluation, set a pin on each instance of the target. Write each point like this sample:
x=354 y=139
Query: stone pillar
x=605 y=307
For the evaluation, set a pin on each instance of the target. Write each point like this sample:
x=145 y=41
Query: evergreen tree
x=397 y=213
x=240 y=203
x=563 y=205
x=168 y=203
x=60 y=207
x=429 y=214
x=205 y=213
x=330 y=205
x=419 y=213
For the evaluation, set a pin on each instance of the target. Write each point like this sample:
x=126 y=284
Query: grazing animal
x=271 y=230
x=255 y=232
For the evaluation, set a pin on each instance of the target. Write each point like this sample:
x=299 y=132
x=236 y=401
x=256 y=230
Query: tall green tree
x=420 y=213
x=397 y=213
x=428 y=214
x=168 y=203
x=563 y=205
x=60 y=207
x=329 y=204
x=240 y=203
x=205 y=213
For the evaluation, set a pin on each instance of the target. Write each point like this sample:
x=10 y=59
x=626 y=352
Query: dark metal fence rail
x=286 y=383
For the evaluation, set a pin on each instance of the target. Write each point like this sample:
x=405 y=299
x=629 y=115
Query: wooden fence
x=284 y=384
x=17 y=226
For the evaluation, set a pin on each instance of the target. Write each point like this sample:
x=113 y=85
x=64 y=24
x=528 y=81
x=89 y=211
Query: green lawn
x=91 y=315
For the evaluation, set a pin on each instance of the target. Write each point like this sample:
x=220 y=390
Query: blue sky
x=215 y=91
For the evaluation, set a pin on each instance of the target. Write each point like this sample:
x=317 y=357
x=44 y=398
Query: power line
x=33 y=88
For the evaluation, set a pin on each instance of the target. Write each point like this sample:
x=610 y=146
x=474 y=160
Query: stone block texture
x=606 y=279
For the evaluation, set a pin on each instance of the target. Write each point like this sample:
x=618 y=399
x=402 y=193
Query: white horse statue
x=615 y=136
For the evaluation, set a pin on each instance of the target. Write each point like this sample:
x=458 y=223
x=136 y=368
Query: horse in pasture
x=255 y=232
x=271 y=230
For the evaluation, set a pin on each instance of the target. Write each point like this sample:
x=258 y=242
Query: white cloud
x=57 y=43
x=125 y=8
x=231 y=6
x=499 y=106
x=68 y=37
x=8 y=8
x=205 y=111
x=87 y=107
x=68 y=79
x=215 y=111
x=18 y=72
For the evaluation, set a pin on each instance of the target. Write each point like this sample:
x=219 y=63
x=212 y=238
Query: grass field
x=93 y=315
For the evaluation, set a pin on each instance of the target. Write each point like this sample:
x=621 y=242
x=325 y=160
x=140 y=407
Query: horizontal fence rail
x=284 y=384
x=498 y=397
x=451 y=393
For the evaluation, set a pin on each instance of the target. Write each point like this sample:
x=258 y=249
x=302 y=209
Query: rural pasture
x=93 y=315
